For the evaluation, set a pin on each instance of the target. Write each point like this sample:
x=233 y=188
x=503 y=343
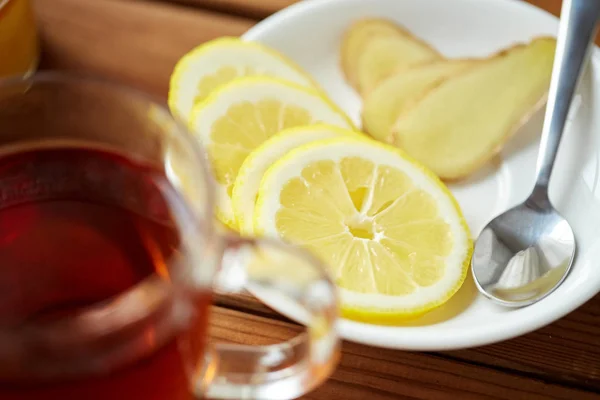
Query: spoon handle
x=577 y=26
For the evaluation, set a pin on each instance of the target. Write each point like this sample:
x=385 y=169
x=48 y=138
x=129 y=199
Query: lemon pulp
x=390 y=233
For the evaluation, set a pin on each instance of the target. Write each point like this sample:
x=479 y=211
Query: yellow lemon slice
x=219 y=61
x=240 y=116
x=390 y=232
x=245 y=189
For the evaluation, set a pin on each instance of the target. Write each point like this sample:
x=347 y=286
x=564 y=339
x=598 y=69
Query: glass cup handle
x=299 y=287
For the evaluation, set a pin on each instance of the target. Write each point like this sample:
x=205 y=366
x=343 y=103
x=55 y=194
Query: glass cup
x=110 y=256
x=19 y=48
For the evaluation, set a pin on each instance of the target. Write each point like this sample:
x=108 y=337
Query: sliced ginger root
x=460 y=124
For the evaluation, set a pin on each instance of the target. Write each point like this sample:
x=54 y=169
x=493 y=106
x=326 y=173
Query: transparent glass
x=19 y=47
x=89 y=143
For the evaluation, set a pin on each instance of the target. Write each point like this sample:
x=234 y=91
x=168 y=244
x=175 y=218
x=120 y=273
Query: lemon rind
x=357 y=310
x=272 y=148
x=183 y=65
x=224 y=208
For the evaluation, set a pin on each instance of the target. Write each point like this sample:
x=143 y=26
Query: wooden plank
x=367 y=372
x=136 y=43
x=250 y=8
x=567 y=351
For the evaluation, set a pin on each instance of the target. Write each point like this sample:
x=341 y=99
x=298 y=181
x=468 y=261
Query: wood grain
x=567 y=351
x=250 y=8
x=370 y=373
x=136 y=43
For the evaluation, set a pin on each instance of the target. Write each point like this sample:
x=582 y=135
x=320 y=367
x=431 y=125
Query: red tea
x=77 y=228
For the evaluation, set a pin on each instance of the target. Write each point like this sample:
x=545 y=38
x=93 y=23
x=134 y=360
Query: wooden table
x=137 y=42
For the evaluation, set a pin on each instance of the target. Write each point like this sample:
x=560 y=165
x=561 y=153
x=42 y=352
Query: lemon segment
x=247 y=182
x=215 y=63
x=241 y=115
x=390 y=232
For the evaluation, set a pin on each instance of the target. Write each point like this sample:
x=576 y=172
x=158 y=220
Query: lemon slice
x=245 y=189
x=241 y=115
x=219 y=61
x=391 y=233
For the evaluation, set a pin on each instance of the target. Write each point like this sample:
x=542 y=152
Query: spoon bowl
x=527 y=251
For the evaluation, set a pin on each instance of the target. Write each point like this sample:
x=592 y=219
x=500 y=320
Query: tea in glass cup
x=111 y=255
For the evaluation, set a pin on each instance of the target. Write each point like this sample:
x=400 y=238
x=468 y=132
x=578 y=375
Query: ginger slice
x=385 y=103
x=463 y=122
x=373 y=48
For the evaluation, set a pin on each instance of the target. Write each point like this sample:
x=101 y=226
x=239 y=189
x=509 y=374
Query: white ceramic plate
x=310 y=33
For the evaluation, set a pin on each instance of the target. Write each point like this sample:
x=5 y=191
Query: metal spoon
x=525 y=253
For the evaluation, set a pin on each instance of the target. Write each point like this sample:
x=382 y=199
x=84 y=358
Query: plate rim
x=392 y=336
